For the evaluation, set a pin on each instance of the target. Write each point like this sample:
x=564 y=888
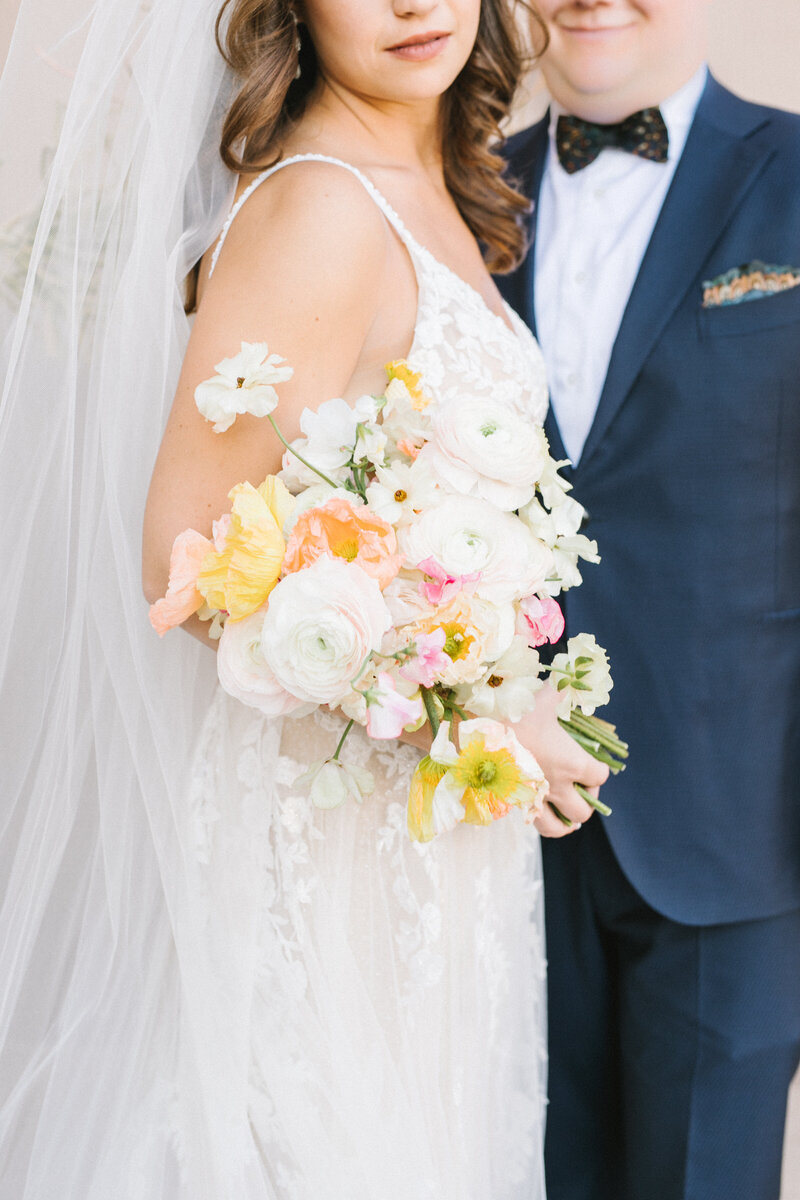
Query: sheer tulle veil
x=110 y=189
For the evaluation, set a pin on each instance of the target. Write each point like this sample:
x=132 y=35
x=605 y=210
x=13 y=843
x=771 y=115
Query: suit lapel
x=528 y=163
x=527 y=168
x=717 y=169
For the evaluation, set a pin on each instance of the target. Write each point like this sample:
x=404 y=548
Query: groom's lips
x=421 y=46
x=594 y=31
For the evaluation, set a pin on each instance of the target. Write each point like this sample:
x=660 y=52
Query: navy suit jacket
x=691 y=477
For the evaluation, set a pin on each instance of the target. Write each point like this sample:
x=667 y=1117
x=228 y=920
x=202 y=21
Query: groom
x=663 y=282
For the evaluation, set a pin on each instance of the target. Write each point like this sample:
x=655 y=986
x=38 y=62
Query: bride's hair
x=274 y=58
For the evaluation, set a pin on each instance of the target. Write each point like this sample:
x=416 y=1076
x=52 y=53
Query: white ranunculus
x=321 y=624
x=332 y=782
x=466 y=535
x=330 y=435
x=245 y=674
x=483 y=447
x=242 y=384
x=506 y=690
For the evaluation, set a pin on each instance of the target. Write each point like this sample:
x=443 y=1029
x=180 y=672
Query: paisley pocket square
x=753 y=281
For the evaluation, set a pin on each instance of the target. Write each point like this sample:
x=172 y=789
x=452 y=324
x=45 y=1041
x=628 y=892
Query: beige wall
x=754 y=47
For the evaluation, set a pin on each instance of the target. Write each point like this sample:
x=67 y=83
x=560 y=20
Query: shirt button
x=580 y=277
x=572 y=379
x=599 y=193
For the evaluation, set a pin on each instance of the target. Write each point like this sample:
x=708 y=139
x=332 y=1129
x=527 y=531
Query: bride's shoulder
x=306 y=216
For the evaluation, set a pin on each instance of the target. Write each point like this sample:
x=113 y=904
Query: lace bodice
x=460 y=345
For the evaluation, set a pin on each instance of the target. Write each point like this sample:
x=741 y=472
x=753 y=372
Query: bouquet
x=403 y=567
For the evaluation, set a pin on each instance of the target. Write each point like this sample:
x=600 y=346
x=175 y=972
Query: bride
x=214 y=989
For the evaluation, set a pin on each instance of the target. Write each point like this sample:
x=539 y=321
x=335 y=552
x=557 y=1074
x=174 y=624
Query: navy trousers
x=672 y=1047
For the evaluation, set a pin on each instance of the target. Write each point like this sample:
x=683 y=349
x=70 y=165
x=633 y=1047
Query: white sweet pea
x=367 y=409
x=404 y=419
x=242 y=384
x=564 y=520
x=466 y=535
x=540 y=522
x=582 y=676
x=485 y=448
x=566 y=553
x=558 y=529
x=331 y=783
x=321 y=624
x=551 y=484
x=506 y=689
x=245 y=674
x=330 y=435
x=370 y=444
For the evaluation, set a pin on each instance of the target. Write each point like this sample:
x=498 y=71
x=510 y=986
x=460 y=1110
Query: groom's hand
x=564 y=764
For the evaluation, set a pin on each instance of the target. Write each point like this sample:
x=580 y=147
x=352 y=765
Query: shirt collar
x=678 y=111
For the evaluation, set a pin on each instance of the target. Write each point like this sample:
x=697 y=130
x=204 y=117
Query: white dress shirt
x=592 y=231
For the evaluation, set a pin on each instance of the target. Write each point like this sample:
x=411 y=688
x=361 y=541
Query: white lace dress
x=389 y=1009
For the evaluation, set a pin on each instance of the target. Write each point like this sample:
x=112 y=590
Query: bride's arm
x=305 y=267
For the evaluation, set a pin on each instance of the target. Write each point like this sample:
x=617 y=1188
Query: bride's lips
x=422 y=46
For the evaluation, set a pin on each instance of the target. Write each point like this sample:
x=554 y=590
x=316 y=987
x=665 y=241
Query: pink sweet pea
x=539 y=620
x=443 y=586
x=388 y=712
x=428 y=660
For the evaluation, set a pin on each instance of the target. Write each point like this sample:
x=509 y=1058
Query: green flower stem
x=347 y=729
x=304 y=461
x=597 y=805
x=564 y=820
x=601 y=731
x=430 y=709
x=595 y=742
x=362 y=669
x=613 y=764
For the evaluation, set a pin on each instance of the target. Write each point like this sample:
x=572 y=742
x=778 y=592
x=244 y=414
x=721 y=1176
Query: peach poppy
x=182 y=598
x=345 y=530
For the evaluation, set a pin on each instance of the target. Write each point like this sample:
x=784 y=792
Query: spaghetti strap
x=381 y=201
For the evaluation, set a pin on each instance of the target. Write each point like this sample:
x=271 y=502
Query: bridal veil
x=110 y=189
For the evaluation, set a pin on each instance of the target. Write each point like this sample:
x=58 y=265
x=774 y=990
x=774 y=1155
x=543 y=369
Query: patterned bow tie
x=579 y=142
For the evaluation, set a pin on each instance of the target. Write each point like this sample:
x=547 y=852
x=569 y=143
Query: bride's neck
x=403 y=134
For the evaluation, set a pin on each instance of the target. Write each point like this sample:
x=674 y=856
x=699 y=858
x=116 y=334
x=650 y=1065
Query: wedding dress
x=393 y=1025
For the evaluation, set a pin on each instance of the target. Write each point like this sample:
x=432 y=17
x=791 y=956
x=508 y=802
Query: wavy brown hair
x=276 y=63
